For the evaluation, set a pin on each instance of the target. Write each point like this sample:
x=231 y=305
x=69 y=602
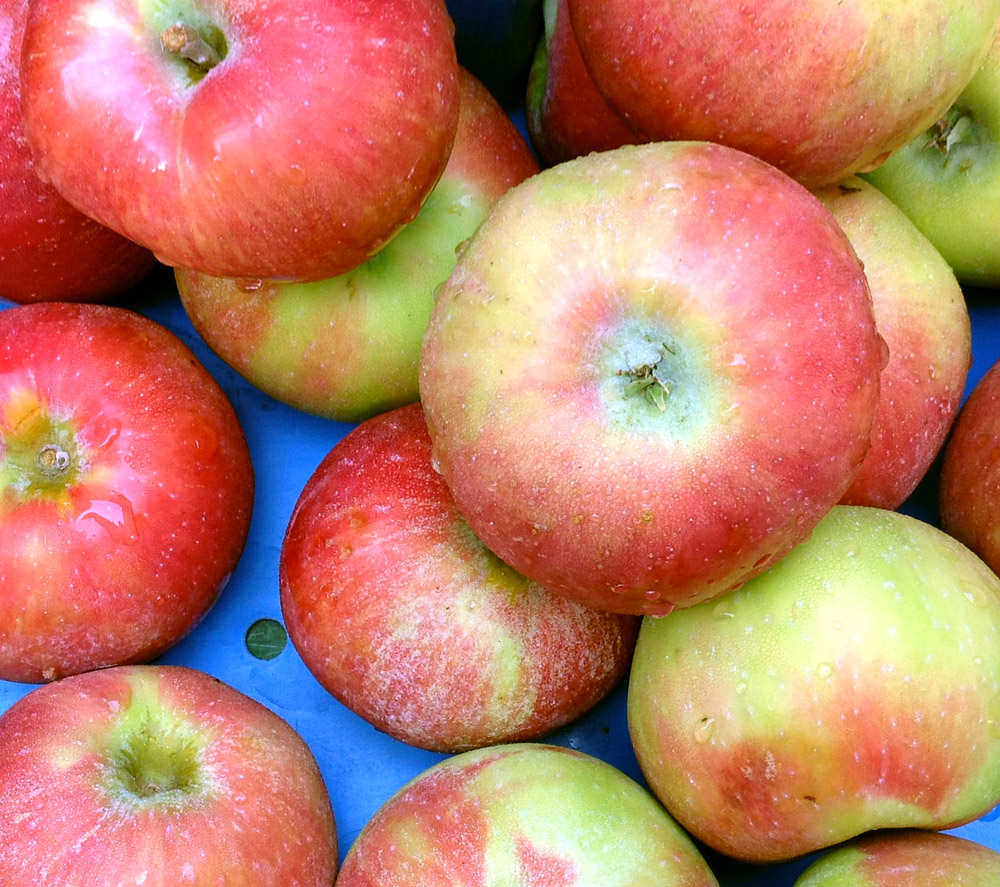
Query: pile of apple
x=642 y=402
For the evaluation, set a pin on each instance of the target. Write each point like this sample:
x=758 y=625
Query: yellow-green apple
x=819 y=89
x=921 y=314
x=412 y=623
x=348 y=347
x=244 y=139
x=853 y=686
x=565 y=114
x=969 y=486
x=905 y=858
x=652 y=372
x=48 y=250
x=158 y=775
x=946 y=182
x=126 y=489
x=527 y=814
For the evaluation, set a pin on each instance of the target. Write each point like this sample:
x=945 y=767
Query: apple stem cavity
x=183 y=40
x=53 y=461
x=645 y=382
x=955 y=128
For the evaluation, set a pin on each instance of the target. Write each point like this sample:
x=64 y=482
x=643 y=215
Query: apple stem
x=53 y=460
x=953 y=128
x=183 y=40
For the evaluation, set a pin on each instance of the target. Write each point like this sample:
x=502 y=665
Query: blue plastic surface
x=363 y=767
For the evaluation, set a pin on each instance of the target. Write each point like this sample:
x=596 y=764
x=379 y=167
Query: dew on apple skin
x=824 y=670
x=115 y=516
x=723 y=610
x=249 y=284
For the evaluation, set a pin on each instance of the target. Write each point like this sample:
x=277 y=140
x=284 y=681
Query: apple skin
x=946 y=179
x=905 y=859
x=527 y=814
x=969 y=486
x=48 y=250
x=404 y=616
x=158 y=775
x=853 y=686
x=317 y=136
x=704 y=268
x=566 y=115
x=921 y=314
x=820 y=90
x=348 y=348
x=126 y=489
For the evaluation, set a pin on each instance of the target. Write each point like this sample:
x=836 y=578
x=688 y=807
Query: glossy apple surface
x=310 y=134
x=348 y=347
x=525 y=814
x=820 y=90
x=921 y=314
x=48 y=250
x=851 y=687
x=905 y=859
x=404 y=616
x=969 y=490
x=158 y=775
x=566 y=114
x=651 y=373
x=126 y=489
x=946 y=179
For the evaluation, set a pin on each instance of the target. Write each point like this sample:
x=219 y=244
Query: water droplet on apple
x=824 y=670
x=652 y=595
x=114 y=515
x=741 y=688
x=249 y=284
x=104 y=432
x=883 y=352
x=723 y=610
x=704 y=729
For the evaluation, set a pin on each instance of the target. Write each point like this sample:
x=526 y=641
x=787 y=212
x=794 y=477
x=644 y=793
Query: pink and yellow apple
x=404 y=616
x=652 y=372
x=905 y=858
x=948 y=182
x=48 y=250
x=243 y=138
x=921 y=314
x=158 y=775
x=819 y=89
x=348 y=347
x=969 y=489
x=126 y=489
x=853 y=686
x=526 y=814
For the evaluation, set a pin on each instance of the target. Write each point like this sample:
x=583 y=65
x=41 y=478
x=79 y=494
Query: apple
x=158 y=775
x=821 y=90
x=853 y=686
x=126 y=489
x=412 y=623
x=348 y=347
x=652 y=372
x=566 y=115
x=258 y=140
x=905 y=859
x=48 y=250
x=921 y=314
x=969 y=486
x=946 y=179
x=527 y=814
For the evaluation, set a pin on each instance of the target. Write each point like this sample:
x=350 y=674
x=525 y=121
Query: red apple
x=905 y=858
x=524 y=814
x=48 y=250
x=652 y=372
x=819 y=89
x=348 y=347
x=404 y=616
x=921 y=314
x=565 y=113
x=244 y=139
x=969 y=491
x=125 y=489
x=158 y=775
